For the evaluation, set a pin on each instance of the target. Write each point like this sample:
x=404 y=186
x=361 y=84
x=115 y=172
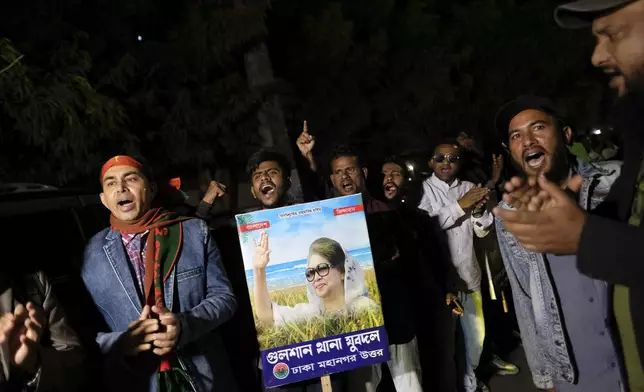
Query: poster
x=313 y=289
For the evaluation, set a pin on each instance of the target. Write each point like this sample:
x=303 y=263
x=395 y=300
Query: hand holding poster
x=313 y=289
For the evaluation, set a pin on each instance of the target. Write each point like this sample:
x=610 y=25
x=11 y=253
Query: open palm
x=261 y=255
x=27 y=338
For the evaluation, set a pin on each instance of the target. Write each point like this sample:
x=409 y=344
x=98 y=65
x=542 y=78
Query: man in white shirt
x=459 y=207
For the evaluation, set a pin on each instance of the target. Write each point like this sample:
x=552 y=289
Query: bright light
x=410 y=166
x=139 y=38
x=597 y=131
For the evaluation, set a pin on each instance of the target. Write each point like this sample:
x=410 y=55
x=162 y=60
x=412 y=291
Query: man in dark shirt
x=392 y=248
x=430 y=277
x=553 y=222
x=270 y=176
x=393 y=252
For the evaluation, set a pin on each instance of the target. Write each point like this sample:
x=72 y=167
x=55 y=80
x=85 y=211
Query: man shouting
x=158 y=282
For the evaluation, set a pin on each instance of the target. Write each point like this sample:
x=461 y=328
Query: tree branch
x=14 y=62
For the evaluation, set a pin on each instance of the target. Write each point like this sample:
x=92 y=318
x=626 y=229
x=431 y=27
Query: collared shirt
x=441 y=200
x=585 y=310
x=542 y=300
x=135 y=246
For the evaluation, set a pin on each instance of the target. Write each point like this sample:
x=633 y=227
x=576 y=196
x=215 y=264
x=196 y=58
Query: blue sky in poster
x=291 y=236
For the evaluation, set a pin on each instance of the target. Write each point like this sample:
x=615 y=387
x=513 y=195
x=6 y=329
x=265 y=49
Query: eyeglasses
x=439 y=158
x=322 y=269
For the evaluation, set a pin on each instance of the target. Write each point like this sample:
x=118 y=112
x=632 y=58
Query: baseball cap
x=521 y=103
x=582 y=12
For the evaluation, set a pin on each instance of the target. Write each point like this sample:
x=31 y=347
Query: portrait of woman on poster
x=334 y=282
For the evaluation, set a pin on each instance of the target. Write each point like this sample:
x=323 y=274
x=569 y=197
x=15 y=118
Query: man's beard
x=397 y=199
x=635 y=83
x=627 y=115
x=560 y=168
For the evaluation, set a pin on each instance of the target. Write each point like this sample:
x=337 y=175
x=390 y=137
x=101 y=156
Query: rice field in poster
x=313 y=289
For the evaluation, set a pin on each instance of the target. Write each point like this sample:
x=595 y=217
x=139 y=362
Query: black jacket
x=393 y=257
x=610 y=249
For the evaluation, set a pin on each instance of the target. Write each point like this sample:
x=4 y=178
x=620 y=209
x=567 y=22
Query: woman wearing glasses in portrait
x=334 y=282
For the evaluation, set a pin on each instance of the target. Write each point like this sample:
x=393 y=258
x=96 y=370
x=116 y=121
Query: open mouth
x=615 y=78
x=125 y=204
x=390 y=188
x=535 y=158
x=267 y=189
x=348 y=186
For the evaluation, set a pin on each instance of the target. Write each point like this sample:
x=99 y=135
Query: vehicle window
x=92 y=218
x=50 y=241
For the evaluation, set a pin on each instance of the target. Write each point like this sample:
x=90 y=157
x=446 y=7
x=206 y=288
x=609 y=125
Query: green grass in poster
x=318 y=327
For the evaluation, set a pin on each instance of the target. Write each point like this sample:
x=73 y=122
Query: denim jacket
x=198 y=291
x=537 y=309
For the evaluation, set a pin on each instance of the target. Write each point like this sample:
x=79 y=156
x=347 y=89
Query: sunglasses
x=439 y=158
x=322 y=269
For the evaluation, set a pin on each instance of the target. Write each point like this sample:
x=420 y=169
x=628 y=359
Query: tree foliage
x=393 y=76
x=187 y=95
x=385 y=75
x=170 y=86
x=53 y=124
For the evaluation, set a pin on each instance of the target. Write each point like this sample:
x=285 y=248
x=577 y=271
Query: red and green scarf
x=165 y=231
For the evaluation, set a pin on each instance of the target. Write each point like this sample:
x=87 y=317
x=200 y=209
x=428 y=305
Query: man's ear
x=287 y=184
x=365 y=172
x=252 y=192
x=567 y=134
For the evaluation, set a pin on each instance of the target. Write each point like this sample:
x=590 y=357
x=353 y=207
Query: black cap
x=581 y=13
x=523 y=102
